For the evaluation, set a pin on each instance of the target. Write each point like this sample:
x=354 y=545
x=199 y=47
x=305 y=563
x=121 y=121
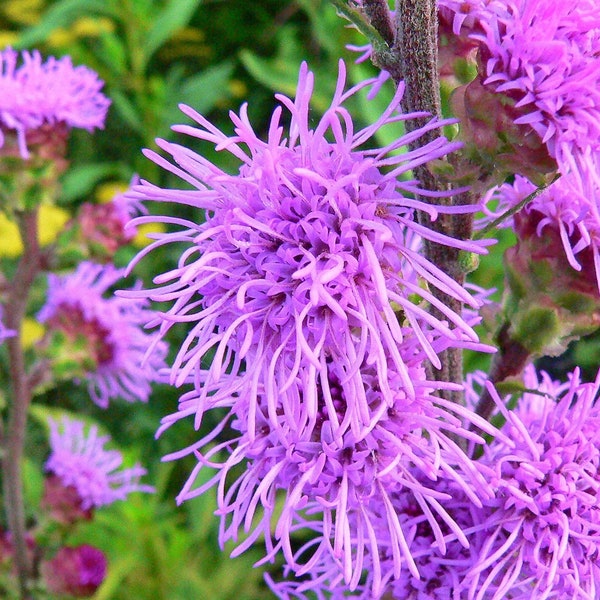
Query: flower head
x=561 y=212
x=543 y=526
x=100 y=229
x=442 y=568
x=543 y=57
x=79 y=458
x=117 y=357
x=339 y=486
x=300 y=257
x=76 y=571
x=35 y=93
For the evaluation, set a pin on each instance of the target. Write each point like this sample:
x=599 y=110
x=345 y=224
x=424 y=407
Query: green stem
x=367 y=29
x=14 y=435
x=513 y=210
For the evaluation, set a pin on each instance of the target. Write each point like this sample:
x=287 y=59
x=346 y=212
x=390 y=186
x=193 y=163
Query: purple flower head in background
x=79 y=458
x=75 y=571
x=544 y=56
x=561 y=207
x=107 y=227
x=123 y=359
x=34 y=93
x=543 y=527
x=300 y=257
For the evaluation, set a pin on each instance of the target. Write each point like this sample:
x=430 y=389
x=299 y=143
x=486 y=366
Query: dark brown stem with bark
x=510 y=360
x=14 y=433
x=415 y=50
x=379 y=15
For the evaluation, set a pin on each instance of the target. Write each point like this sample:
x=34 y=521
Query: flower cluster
x=561 y=208
x=303 y=288
x=118 y=358
x=75 y=571
x=80 y=460
x=34 y=94
x=542 y=57
x=542 y=528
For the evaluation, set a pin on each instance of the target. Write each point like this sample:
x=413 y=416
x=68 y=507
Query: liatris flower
x=542 y=57
x=79 y=459
x=442 y=571
x=573 y=217
x=99 y=230
x=340 y=488
x=102 y=338
x=54 y=93
x=299 y=259
x=554 y=296
x=542 y=530
x=75 y=571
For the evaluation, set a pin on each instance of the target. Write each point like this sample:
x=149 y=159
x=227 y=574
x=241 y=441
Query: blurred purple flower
x=121 y=360
x=543 y=527
x=299 y=260
x=75 y=571
x=106 y=227
x=4 y=332
x=79 y=458
x=35 y=93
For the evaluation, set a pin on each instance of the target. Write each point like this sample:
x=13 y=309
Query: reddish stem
x=14 y=440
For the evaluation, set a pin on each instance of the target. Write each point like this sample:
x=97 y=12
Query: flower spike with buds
x=101 y=339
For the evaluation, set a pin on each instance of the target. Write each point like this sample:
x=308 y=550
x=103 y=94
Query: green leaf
x=281 y=73
x=79 y=181
x=175 y=15
x=127 y=111
x=33 y=481
x=60 y=14
x=114 y=53
x=202 y=92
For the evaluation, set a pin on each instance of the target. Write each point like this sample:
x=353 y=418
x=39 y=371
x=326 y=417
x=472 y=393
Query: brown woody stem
x=415 y=50
x=14 y=434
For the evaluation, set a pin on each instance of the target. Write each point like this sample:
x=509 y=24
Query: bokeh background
x=154 y=54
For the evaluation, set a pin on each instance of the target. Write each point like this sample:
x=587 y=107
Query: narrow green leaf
x=127 y=111
x=61 y=14
x=175 y=15
x=80 y=180
x=202 y=92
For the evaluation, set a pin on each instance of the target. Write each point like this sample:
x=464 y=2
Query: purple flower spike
x=79 y=458
x=301 y=258
x=574 y=215
x=35 y=93
x=544 y=56
x=341 y=488
x=120 y=360
x=543 y=528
